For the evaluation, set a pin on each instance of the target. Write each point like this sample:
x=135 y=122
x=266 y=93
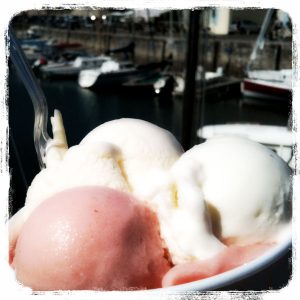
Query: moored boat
x=268 y=84
x=118 y=74
x=161 y=84
x=69 y=69
x=277 y=138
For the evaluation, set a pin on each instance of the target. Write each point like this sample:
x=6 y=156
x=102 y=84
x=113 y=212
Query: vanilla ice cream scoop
x=246 y=187
x=92 y=164
x=146 y=149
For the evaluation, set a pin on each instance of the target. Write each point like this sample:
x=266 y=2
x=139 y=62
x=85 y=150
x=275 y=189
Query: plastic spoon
x=40 y=134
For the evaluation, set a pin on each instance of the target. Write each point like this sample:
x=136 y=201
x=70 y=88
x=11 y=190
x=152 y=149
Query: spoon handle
x=37 y=96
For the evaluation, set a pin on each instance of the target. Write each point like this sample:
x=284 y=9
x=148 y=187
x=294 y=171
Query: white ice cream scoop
x=147 y=150
x=245 y=185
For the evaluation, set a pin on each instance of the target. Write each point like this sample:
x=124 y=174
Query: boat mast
x=260 y=41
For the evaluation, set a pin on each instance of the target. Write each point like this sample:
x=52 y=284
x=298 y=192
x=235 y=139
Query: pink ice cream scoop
x=90 y=238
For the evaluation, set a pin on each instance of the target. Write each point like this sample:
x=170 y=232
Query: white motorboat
x=72 y=68
x=277 y=138
x=108 y=73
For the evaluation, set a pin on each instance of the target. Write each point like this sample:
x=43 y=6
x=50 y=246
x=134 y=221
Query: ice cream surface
x=90 y=238
x=246 y=187
x=128 y=195
x=147 y=150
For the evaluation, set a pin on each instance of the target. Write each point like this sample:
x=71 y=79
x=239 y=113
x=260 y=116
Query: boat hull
x=265 y=90
x=115 y=78
x=119 y=77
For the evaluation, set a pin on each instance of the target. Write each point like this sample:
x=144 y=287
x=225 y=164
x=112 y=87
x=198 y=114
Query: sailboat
x=266 y=84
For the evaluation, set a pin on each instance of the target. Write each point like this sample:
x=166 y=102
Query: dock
x=226 y=87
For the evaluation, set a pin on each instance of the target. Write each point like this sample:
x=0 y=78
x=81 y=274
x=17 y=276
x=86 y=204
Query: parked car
x=244 y=27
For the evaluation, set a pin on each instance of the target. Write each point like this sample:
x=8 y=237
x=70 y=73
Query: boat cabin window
x=88 y=62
